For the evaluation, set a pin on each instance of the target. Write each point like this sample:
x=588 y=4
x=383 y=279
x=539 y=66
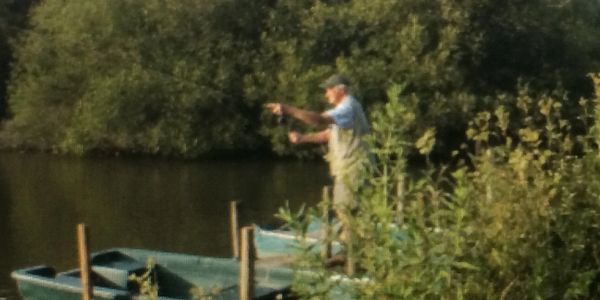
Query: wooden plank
x=84 y=262
x=248 y=256
x=275 y=261
x=234 y=229
x=350 y=265
x=326 y=231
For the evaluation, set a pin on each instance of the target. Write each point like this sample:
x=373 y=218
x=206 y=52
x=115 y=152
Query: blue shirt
x=347 y=151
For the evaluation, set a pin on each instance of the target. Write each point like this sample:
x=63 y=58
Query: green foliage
x=596 y=128
x=451 y=55
x=518 y=220
x=12 y=15
x=147 y=282
x=546 y=52
x=375 y=42
x=188 y=78
x=145 y=76
x=4 y=54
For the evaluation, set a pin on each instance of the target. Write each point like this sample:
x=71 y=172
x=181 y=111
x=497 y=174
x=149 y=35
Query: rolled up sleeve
x=342 y=115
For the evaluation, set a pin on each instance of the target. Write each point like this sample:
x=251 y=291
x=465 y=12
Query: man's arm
x=320 y=137
x=306 y=116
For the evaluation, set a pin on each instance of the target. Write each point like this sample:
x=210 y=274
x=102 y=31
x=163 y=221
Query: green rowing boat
x=176 y=276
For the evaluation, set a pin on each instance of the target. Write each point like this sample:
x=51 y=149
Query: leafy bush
x=139 y=76
x=188 y=78
x=453 y=56
x=518 y=219
x=12 y=21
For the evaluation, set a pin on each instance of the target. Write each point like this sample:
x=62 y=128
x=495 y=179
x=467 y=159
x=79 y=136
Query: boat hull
x=177 y=277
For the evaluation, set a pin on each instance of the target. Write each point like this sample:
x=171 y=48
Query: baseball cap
x=335 y=80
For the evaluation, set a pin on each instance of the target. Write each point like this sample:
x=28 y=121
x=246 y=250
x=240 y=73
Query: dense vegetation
x=4 y=55
x=519 y=220
x=498 y=89
x=188 y=78
x=13 y=19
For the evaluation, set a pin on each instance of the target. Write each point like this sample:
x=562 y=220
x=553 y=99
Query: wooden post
x=84 y=262
x=246 y=284
x=326 y=234
x=235 y=230
x=350 y=266
x=400 y=197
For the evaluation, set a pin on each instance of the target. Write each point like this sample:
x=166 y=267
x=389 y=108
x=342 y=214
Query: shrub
x=516 y=217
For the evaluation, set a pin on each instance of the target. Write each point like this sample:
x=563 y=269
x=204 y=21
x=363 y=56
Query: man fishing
x=344 y=127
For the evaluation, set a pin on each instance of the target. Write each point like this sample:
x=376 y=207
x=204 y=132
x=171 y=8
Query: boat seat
x=116 y=267
x=117 y=260
x=119 y=278
x=43 y=271
x=69 y=278
x=72 y=277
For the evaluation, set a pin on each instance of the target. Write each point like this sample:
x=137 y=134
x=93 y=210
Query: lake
x=178 y=206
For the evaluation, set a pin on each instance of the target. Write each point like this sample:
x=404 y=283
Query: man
x=345 y=124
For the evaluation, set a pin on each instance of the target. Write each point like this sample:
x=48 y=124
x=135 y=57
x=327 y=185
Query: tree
x=12 y=21
x=453 y=56
x=136 y=76
x=4 y=56
x=189 y=78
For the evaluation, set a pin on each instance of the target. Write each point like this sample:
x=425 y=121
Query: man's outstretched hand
x=295 y=137
x=275 y=108
x=280 y=110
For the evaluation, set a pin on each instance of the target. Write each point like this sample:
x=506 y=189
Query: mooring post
x=234 y=228
x=350 y=266
x=326 y=234
x=246 y=284
x=400 y=198
x=84 y=262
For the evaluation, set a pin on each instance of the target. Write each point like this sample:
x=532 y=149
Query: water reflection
x=171 y=206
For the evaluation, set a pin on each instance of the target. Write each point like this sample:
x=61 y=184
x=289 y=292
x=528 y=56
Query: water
x=153 y=204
